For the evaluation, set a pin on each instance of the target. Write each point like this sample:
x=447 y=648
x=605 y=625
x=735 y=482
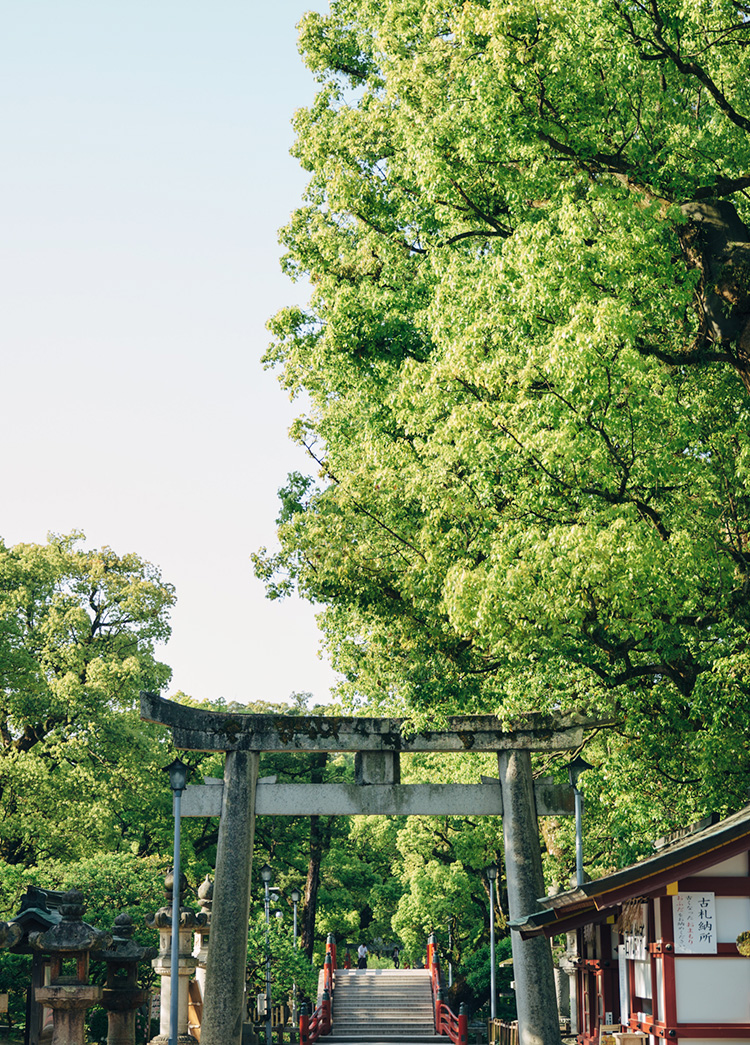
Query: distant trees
x=78 y=630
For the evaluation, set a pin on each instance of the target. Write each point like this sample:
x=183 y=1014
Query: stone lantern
x=189 y=922
x=69 y=993
x=121 y=996
x=200 y=950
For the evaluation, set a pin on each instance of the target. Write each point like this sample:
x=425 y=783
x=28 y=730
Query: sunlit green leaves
x=78 y=630
x=530 y=486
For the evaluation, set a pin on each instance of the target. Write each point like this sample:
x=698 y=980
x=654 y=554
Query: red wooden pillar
x=668 y=970
x=328 y=973
x=304 y=1025
x=431 y=949
x=439 y=1011
x=331 y=948
x=463 y=1026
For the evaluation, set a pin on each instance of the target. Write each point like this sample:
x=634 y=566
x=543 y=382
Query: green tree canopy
x=527 y=363
x=78 y=769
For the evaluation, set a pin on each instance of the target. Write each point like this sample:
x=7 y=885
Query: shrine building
x=653 y=951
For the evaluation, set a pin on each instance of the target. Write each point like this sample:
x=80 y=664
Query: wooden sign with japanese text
x=694 y=917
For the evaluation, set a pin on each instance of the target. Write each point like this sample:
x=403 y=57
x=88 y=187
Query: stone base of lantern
x=69 y=1003
x=182 y=1039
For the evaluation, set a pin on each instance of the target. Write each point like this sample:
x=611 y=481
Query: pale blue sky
x=143 y=176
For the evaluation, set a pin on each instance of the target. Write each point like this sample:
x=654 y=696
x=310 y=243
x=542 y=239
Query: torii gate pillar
x=536 y=1001
x=221 y=1023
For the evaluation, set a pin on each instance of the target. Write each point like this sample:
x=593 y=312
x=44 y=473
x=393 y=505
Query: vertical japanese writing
x=694 y=916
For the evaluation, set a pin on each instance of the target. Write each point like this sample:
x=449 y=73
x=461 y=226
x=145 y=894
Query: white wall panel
x=712 y=990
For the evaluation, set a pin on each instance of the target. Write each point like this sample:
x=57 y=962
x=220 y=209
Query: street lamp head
x=295 y=895
x=266 y=873
x=491 y=872
x=575 y=768
x=278 y=915
x=178 y=774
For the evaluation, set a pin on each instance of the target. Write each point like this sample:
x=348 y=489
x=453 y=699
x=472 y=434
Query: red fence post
x=463 y=1026
x=438 y=1011
x=431 y=948
x=331 y=948
x=326 y=1013
x=328 y=974
x=435 y=971
x=304 y=1025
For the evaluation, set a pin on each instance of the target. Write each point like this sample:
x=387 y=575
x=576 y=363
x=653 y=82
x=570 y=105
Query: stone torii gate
x=377 y=744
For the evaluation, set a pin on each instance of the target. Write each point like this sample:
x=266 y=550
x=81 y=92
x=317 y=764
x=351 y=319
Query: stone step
x=375 y=1005
x=380 y=999
x=383 y=988
x=391 y=1021
x=365 y=1005
x=380 y=1038
x=384 y=1016
x=378 y=992
x=340 y=1002
x=392 y=1011
x=394 y=1034
x=391 y=1015
x=382 y=985
x=378 y=987
x=396 y=1019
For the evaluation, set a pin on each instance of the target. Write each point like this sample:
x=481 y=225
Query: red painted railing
x=312 y=1027
x=446 y=1022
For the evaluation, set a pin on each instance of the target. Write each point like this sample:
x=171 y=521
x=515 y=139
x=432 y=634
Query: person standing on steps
x=395 y=958
x=362 y=952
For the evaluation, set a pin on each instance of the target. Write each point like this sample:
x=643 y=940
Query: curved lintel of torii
x=195 y=729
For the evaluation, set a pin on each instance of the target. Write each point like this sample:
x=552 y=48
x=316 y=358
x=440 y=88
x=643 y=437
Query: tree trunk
x=320 y=836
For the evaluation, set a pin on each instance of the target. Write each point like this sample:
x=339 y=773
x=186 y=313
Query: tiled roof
x=681 y=858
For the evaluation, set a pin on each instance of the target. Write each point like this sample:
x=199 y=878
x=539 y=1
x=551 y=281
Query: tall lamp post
x=491 y=876
x=575 y=768
x=178 y=773
x=296 y=896
x=266 y=874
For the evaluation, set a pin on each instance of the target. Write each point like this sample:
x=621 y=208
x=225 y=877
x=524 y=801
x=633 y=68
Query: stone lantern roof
x=71 y=935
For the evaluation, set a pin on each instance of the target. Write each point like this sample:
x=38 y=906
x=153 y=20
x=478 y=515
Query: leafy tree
x=289 y=966
x=477 y=977
x=78 y=630
x=111 y=883
x=527 y=359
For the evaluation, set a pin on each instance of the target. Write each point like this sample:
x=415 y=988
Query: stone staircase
x=383 y=1007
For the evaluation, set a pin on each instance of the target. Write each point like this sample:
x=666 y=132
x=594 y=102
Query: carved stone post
x=227 y=956
x=200 y=949
x=189 y=921
x=538 y=1021
x=121 y=996
x=69 y=993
